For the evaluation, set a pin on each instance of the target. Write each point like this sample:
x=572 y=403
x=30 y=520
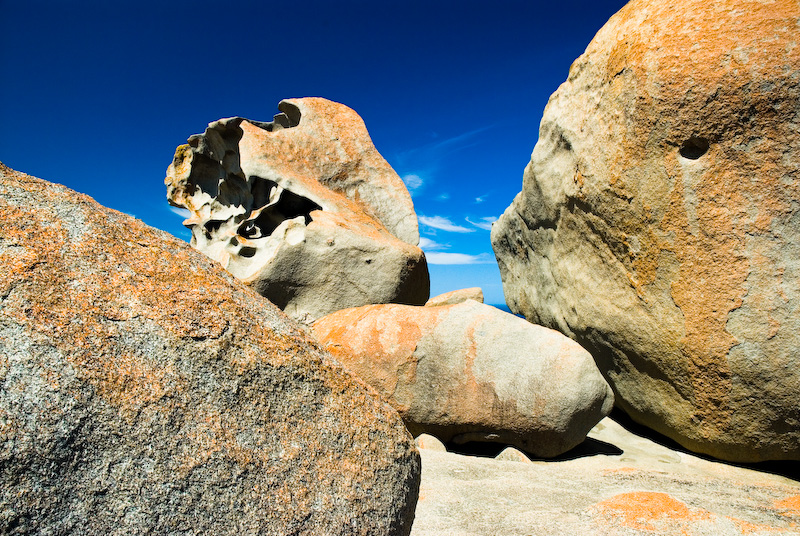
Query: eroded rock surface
x=659 y=222
x=303 y=209
x=143 y=390
x=621 y=484
x=470 y=372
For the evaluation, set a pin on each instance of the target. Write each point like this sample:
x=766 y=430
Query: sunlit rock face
x=469 y=372
x=304 y=209
x=659 y=220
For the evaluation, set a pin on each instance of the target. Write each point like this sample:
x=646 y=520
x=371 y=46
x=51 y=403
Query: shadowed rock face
x=470 y=372
x=303 y=209
x=144 y=390
x=658 y=222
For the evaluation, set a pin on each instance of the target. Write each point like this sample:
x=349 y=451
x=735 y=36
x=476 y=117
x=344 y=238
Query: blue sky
x=96 y=95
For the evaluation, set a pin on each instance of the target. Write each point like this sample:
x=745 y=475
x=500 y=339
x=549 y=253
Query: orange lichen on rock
x=383 y=354
x=661 y=513
x=652 y=512
x=789 y=506
x=620 y=470
x=745 y=527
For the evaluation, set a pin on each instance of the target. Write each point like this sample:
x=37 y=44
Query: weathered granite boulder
x=470 y=372
x=456 y=296
x=145 y=391
x=303 y=209
x=659 y=220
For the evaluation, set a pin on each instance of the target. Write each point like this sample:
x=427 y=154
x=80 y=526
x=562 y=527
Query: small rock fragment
x=456 y=296
x=510 y=454
x=429 y=442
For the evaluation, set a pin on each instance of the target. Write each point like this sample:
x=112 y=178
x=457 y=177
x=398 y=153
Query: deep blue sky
x=96 y=95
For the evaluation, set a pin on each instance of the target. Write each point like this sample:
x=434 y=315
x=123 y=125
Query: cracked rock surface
x=303 y=209
x=659 y=220
x=143 y=390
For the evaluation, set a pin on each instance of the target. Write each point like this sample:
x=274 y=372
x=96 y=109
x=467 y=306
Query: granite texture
x=143 y=390
x=659 y=220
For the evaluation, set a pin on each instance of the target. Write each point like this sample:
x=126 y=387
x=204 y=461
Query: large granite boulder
x=470 y=372
x=659 y=220
x=303 y=209
x=145 y=391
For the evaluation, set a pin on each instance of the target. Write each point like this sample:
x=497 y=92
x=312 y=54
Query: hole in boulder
x=211 y=227
x=281 y=119
x=288 y=118
x=694 y=148
x=289 y=206
x=205 y=175
x=260 y=190
x=292 y=113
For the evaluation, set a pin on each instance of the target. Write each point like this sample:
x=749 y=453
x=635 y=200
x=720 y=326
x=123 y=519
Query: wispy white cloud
x=413 y=182
x=182 y=212
x=443 y=224
x=443 y=197
x=480 y=199
x=427 y=157
x=459 y=142
x=483 y=223
x=458 y=258
x=427 y=244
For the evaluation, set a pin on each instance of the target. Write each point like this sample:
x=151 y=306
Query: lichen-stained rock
x=470 y=372
x=143 y=390
x=659 y=220
x=456 y=296
x=304 y=209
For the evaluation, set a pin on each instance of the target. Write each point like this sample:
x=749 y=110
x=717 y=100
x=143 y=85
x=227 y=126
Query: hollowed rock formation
x=303 y=209
x=659 y=220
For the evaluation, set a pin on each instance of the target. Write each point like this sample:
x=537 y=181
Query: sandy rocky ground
x=617 y=482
